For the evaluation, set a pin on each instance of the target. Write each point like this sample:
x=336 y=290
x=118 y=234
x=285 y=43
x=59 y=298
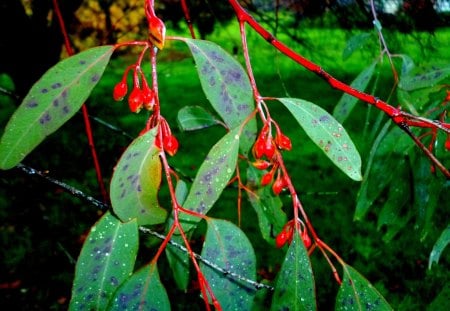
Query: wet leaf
x=136 y=180
x=355 y=43
x=227 y=87
x=192 y=118
x=106 y=260
x=387 y=155
x=142 y=291
x=346 y=104
x=268 y=207
x=212 y=178
x=395 y=212
x=424 y=77
x=356 y=293
x=328 y=134
x=228 y=247
x=295 y=289
x=427 y=190
x=51 y=102
x=439 y=247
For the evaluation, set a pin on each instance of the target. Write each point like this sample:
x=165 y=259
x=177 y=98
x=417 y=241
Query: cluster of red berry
x=287 y=234
x=139 y=96
x=266 y=147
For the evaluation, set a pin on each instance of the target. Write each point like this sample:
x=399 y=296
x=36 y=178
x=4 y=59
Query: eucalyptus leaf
x=328 y=134
x=136 y=180
x=228 y=247
x=106 y=260
x=439 y=246
x=51 y=102
x=227 y=87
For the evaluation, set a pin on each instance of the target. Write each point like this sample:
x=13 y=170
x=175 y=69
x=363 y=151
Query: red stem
x=87 y=123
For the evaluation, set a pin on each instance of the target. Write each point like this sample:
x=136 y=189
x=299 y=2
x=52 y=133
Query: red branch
x=87 y=123
x=400 y=118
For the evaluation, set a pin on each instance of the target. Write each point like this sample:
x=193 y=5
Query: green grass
x=41 y=224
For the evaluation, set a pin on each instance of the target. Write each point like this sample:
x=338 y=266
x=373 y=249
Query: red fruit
x=281 y=239
x=157 y=32
x=278 y=185
x=261 y=164
x=306 y=239
x=170 y=144
x=267 y=178
x=148 y=96
x=136 y=100
x=283 y=142
x=447 y=143
x=120 y=90
x=269 y=148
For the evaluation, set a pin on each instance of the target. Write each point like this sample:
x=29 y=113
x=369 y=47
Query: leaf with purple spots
x=356 y=293
x=142 y=291
x=51 y=102
x=328 y=134
x=136 y=180
x=106 y=260
x=212 y=178
x=227 y=87
x=295 y=289
x=228 y=247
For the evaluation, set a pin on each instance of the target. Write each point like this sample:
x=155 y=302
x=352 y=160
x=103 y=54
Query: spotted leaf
x=356 y=293
x=226 y=85
x=142 y=291
x=212 y=178
x=136 y=180
x=51 y=102
x=106 y=260
x=228 y=247
x=328 y=134
x=294 y=289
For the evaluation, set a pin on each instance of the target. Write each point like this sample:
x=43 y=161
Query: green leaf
x=212 y=177
x=354 y=43
x=51 y=102
x=346 y=104
x=228 y=247
x=268 y=207
x=407 y=65
x=424 y=77
x=136 y=180
x=395 y=212
x=356 y=293
x=328 y=134
x=106 y=260
x=295 y=289
x=439 y=247
x=192 y=118
x=142 y=291
x=179 y=262
x=227 y=87
x=387 y=155
x=427 y=189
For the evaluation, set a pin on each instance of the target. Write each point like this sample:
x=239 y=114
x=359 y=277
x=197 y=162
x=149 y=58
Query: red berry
x=267 y=178
x=170 y=144
x=148 y=96
x=261 y=164
x=447 y=143
x=269 y=148
x=281 y=239
x=306 y=239
x=120 y=90
x=278 y=185
x=283 y=142
x=157 y=32
x=136 y=100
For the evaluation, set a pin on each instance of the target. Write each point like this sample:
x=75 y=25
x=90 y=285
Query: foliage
x=150 y=195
